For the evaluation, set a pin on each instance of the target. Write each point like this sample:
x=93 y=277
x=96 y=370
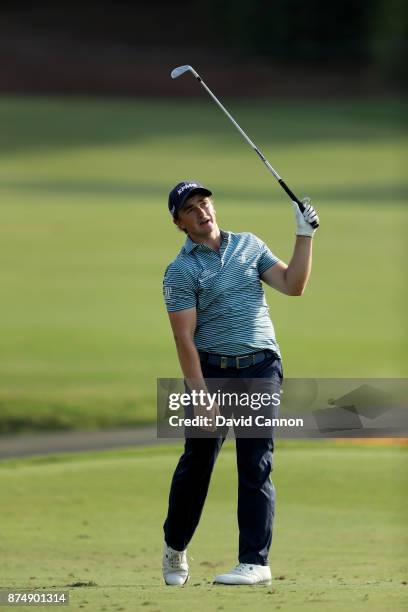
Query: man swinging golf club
x=221 y=326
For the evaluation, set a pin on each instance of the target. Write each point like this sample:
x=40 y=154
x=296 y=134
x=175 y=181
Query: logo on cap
x=186 y=186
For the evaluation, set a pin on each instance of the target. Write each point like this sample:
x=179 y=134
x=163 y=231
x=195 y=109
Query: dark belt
x=241 y=361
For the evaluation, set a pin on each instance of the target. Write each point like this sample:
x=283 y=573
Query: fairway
x=86 y=237
x=339 y=542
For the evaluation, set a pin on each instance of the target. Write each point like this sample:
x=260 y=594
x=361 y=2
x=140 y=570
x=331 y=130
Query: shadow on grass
x=362 y=193
x=52 y=123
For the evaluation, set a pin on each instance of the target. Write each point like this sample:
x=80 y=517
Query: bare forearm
x=299 y=268
x=183 y=325
x=188 y=358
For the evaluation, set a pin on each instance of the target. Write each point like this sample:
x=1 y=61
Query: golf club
x=181 y=70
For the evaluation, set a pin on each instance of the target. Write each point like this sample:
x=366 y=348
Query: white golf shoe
x=175 y=566
x=246 y=573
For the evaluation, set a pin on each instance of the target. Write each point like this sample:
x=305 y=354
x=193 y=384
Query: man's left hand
x=305 y=218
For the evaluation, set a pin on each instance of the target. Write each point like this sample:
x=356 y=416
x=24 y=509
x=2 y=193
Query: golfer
x=221 y=326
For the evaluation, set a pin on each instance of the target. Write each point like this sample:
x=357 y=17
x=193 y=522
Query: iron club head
x=176 y=72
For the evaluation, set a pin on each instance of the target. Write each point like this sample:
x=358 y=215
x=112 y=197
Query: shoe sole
x=178 y=585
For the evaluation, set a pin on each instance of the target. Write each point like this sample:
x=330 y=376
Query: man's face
x=197 y=216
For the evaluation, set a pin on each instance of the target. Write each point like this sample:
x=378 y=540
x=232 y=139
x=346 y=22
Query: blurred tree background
x=315 y=31
x=97 y=46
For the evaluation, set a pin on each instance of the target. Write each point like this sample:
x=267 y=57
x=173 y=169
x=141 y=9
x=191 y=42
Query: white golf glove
x=305 y=218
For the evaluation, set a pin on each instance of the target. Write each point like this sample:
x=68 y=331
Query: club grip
x=292 y=196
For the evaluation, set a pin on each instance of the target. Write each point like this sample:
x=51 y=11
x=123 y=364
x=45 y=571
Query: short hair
x=175 y=218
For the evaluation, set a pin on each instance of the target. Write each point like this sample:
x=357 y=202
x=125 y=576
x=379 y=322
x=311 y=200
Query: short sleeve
x=267 y=258
x=178 y=290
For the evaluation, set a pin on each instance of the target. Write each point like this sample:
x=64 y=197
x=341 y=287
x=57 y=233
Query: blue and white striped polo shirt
x=225 y=288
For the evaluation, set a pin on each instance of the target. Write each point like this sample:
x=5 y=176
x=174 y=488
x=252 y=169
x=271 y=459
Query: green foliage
x=389 y=39
x=293 y=29
x=317 y=32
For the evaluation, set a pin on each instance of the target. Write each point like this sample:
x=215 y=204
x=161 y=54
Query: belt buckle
x=251 y=356
x=237 y=361
x=223 y=362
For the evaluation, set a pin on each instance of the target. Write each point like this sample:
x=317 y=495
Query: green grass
x=85 y=238
x=339 y=541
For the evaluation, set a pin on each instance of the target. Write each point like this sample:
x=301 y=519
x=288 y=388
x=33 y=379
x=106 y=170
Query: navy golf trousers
x=256 y=493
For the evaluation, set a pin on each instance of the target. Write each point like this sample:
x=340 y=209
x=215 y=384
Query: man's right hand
x=210 y=414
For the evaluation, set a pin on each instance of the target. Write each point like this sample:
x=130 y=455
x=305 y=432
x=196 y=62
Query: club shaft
x=240 y=130
x=251 y=144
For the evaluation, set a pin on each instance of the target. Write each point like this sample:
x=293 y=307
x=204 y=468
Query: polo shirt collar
x=189 y=245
